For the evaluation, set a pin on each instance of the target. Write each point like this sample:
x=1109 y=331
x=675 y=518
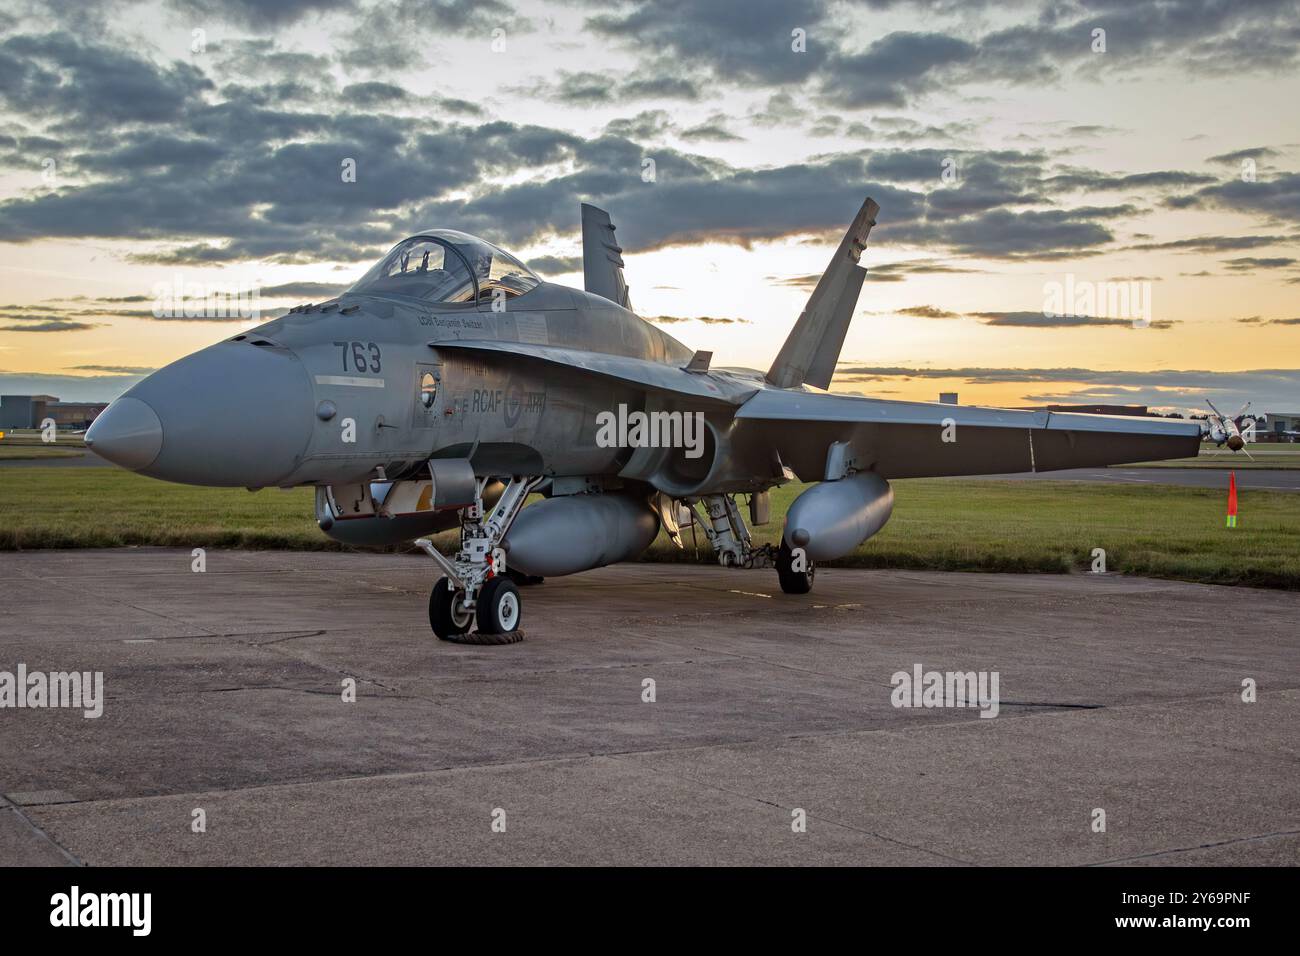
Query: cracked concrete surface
x=224 y=692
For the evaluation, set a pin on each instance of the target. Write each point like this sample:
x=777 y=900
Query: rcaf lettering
x=487 y=400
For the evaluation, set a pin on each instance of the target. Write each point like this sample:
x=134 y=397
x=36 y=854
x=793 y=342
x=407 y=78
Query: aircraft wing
x=907 y=439
x=719 y=386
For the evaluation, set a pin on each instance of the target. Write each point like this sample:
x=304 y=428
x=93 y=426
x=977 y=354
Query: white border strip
x=349 y=380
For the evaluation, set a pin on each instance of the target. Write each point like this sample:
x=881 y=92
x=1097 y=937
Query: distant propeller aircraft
x=451 y=383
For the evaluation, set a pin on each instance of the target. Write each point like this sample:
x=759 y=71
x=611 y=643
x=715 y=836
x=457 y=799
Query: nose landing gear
x=476 y=587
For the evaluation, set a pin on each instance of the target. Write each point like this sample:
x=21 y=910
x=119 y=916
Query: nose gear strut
x=475 y=587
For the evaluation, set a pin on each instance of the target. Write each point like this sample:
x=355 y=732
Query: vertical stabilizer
x=813 y=346
x=602 y=257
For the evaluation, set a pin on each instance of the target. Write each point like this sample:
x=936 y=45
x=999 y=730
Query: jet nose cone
x=127 y=433
x=234 y=414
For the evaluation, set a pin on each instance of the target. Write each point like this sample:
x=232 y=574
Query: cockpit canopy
x=443 y=265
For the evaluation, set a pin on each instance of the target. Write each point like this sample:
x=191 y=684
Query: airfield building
x=28 y=411
x=1279 y=424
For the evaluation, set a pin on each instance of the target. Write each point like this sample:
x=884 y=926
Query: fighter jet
x=1234 y=432
x=451 y=384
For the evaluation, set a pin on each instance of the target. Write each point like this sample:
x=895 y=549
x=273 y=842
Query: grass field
x=27 y=445
x=1273 y=455
x=31 y=436
x=938 y=524
x=16 y=452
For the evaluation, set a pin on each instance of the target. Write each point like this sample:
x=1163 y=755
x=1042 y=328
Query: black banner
x=978 y=906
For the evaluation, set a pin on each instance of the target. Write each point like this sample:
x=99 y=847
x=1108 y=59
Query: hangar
x=28 y=411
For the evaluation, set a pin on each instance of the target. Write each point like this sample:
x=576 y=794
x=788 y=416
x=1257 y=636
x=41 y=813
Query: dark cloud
x=1235 y=158
x=651 y=126
x=894 y=69
x=304 y=290
x=555 y=265
x=928 y=312
x=375 y=93
x=902 y=129
x=579 y=89
x=79 y=86
x=235 y=173
x=260 y=14
x=748 y=43
x=646 y=126
x=652 y=86
x=583 y=89
x=1213 y=243
x=1004 y=234
x=714 y=129
x=897 y=271
x=1274 y=198
x=1158 y=179
x=34 y=313
x=706 y=319
x=105 y=299
x=115 y=369
x=51 y=325
x=1037 y=320
x=739 y=40
x=1251 y=263
x=394 y=35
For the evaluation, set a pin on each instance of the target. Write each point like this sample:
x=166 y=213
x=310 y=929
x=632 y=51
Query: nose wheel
x=499 y=607
x=448 y=616
x=476 y=587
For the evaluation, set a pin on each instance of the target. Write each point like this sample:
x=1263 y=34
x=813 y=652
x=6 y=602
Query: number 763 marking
x=365 y=355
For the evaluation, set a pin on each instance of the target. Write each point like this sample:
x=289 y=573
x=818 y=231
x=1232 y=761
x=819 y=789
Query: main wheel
x=447 y=613
x=499 y=607
x=794 y=581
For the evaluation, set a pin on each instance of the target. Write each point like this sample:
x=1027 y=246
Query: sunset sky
x=201 y=142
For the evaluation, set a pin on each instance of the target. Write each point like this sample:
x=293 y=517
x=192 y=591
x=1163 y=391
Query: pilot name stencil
x=453 y=322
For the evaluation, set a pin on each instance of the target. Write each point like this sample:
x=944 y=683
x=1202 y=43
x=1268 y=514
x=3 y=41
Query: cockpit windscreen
x=444 y=265
x=423 y=268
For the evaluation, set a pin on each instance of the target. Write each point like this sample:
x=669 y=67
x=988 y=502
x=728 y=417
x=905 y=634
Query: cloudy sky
x=1011 y=146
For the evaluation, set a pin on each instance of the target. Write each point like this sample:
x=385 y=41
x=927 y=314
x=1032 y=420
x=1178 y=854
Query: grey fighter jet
x=450 y=384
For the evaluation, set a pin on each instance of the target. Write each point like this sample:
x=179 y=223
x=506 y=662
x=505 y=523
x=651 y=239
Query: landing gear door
x=428 y=402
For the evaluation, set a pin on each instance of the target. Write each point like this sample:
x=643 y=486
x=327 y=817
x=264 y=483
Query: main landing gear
x=476 y=587
x=725 y=528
